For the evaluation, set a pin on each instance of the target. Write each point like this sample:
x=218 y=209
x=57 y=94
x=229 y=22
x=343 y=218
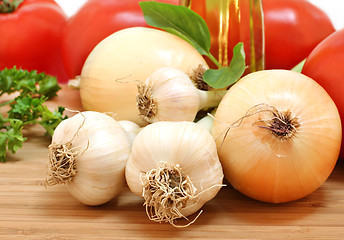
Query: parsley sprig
x=27 y=108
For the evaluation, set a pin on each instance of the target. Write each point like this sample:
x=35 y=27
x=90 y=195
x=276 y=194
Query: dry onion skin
x=278 y=135
x=88 y=154
x=109 y=78
x=174 y=166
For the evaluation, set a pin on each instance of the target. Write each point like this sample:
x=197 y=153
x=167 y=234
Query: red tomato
x=325 y=66
x=31 y=37
x=96 y=20
x=292 y=29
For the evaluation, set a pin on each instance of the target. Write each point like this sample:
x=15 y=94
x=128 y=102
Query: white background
x=334 y=9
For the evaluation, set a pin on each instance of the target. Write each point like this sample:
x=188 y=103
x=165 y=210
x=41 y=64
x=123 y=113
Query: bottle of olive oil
x=230 y=22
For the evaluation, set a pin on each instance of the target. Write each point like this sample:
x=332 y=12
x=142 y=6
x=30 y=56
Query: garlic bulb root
x=62 y=160
x=62 y=164
x=146 y=103
x=196 y=76
x=166 y=191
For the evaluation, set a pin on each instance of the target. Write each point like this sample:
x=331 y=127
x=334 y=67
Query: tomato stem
x=8 y=6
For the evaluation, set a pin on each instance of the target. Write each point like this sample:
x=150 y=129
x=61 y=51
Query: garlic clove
x=131 y=128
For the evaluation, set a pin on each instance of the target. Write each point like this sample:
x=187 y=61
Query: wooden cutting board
x=28 y=210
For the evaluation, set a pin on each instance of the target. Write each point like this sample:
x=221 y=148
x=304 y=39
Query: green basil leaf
x=180 y=21
x=299 y=66
x=226 y=76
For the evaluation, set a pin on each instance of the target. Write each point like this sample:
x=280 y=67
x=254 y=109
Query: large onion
x=112 y=70
x=278 y=135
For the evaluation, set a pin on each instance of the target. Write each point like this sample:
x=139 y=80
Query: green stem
x=211 y=98
x=214 y=60
x=6 y=103
x=9 y=6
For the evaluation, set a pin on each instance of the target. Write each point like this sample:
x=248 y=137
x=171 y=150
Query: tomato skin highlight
x=292 y=29
x=325 y=66
x=93 y=22
x=31 y=37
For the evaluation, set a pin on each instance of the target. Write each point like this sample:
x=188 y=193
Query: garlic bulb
x=108 y=81
x=88 y=153
x=170 y=95
x=131 y=128
x=206 y=122
x=174 y=166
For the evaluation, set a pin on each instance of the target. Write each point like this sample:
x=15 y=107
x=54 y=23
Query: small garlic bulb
x=174 y=166
x=131 y=128
x=170 y=95
x=88 y=153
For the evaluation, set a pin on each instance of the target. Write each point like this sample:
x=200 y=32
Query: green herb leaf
x=15 y=137
x=182 y=22
x=27 y=108
x=12 y=139
x=25 y=82
x=178 y=20
x=299 y=66
x=50 y=120
x=226 y=76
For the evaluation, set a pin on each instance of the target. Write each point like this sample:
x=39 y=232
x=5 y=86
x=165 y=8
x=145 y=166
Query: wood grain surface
x=28 y=210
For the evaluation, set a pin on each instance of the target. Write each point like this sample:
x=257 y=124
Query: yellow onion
x=110 y=75
x=278 y=135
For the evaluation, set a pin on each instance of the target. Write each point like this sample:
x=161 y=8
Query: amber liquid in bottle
x=230 y=22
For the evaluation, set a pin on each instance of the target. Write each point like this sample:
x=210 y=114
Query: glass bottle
x=230 y=22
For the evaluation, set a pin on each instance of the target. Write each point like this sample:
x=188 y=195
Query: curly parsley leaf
x=25 y=82
x=27 y=108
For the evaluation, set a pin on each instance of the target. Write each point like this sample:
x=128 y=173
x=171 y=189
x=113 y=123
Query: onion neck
x=9 y=6
x=283 y=125
x=209 y=99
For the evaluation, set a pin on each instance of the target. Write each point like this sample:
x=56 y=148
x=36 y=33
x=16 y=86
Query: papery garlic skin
x=114 y=67
x=263 y=164
x=101 y=147
x=131 y=128
x=169 y=94
x=178 y=143
x=175 y=95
